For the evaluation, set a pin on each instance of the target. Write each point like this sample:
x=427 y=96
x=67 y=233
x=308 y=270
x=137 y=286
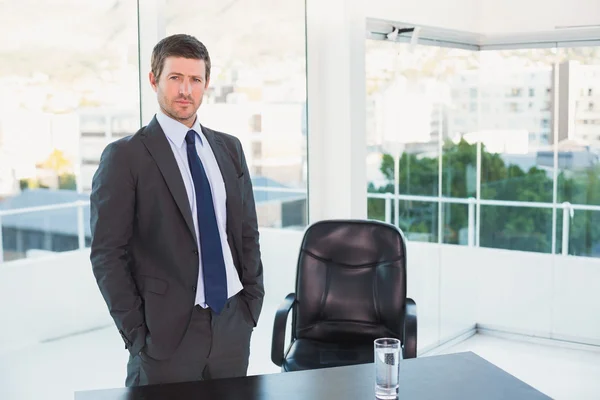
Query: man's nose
x=185 y=87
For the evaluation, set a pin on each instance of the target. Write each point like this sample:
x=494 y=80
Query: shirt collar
x=176 y=131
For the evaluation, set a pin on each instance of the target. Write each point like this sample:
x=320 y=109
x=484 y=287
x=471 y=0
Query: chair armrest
x=279 y=329
x=410 y=329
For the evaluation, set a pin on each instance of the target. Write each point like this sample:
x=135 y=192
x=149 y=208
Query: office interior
x=472 y=125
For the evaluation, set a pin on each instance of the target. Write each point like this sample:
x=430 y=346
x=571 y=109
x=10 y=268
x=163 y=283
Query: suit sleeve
x=112 y=211
x=254 y=290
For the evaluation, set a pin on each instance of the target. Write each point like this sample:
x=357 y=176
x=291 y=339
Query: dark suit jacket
x=144 y=253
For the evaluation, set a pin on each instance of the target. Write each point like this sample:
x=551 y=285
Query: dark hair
x=179 y=45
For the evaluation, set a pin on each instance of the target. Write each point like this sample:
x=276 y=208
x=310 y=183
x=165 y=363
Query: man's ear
x=153 y=82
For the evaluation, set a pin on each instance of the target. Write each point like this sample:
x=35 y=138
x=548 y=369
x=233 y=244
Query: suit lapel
x=157 y=144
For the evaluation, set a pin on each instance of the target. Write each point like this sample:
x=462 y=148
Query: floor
x=97 y=360
x=561 y=373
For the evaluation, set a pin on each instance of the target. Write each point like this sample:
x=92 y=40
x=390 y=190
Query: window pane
x=379 y=209
x=39 y=233
x=516 y=228
x=404 y=123
x=65 y=68
x=459 y=160
x=579 y=147
x=418 y=220
x=459 y=169
x=584 y=234
x=59 y=83
x=257 y=93
x=455 y=219
x=579 y=136
x=583 y=237
x=516 y=129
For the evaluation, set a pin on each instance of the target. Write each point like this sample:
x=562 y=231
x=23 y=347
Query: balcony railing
x=472 y=203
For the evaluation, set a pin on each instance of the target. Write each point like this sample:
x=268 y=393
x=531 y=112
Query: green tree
x=67 y=182
x=581 y=187
x=516 y=228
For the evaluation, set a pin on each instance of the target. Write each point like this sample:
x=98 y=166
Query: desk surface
x=455 y=376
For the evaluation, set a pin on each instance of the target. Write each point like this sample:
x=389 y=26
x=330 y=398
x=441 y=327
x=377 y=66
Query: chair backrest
x=351 y=282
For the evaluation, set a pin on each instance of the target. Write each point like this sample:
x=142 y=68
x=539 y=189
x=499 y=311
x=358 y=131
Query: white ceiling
x=493 y=18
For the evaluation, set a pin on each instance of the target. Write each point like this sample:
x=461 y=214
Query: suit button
x=194 y=289
x=196 y=252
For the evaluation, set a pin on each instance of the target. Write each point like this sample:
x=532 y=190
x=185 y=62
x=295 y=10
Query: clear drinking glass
x=387 y=367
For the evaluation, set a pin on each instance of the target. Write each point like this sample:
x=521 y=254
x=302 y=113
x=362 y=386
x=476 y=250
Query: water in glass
x=387 y=357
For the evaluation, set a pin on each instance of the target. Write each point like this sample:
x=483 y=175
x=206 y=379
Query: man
x=175 y=246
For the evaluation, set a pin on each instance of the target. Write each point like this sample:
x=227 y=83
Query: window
x=517 y=163
x=67 y=90
x=258 y=86
x=514 y=107
x=579 y=172
x=511 y=169
x=125 y=123
x=66 y=67
x=422 y=112
x=516 y=92
x=256 y=150
x=256 y=123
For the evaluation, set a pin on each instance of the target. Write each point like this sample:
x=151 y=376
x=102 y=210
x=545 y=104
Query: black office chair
x=350 y=290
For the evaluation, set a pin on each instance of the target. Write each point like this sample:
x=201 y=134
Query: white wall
x=514 y=16
x=553 y=297
x=47 y=298
x=461 y=15
x=539 y=294
x=515 y=290
x=576 y=300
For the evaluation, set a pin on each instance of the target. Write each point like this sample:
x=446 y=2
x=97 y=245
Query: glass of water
x=387 y=367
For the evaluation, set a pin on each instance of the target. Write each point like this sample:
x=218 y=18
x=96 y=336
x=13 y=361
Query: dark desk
x=460 y=376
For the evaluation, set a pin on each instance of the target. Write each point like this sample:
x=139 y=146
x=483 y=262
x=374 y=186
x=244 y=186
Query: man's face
x=180 y=88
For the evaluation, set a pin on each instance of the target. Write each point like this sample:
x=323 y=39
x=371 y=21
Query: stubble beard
x=182 y=117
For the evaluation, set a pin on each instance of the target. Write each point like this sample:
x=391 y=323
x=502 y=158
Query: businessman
x=175 y=246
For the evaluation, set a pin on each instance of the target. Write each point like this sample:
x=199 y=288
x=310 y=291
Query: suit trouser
x=214 y=346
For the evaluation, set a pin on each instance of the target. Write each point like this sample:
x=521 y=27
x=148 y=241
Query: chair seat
x=305 y=354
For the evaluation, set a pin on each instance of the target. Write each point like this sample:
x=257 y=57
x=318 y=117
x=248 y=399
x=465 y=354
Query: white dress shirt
x=176 y=132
